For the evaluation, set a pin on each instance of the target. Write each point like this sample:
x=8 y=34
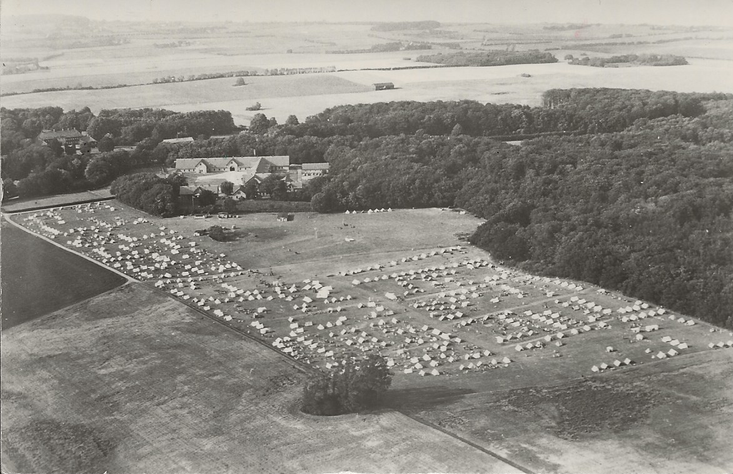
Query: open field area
x=315 y=92
x=669 y=417
x=577 y=378
x=36 y=277
x=132 y=381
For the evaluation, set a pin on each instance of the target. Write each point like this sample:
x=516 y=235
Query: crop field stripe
x=113 y=270
x=470 y=443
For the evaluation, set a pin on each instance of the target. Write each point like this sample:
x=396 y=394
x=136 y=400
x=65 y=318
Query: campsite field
x=449 y=305
x=315 y=92
x=133 y=381
x=36 y=277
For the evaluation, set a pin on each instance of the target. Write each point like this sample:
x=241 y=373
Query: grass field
x=669 y=417
x=520 y=407
x=38 y=277
x=132 y=381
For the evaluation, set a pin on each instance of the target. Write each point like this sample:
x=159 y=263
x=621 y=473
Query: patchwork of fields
x=315 y=92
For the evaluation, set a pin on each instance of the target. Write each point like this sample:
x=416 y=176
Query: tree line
x=31 y=168
x=488 y=58
x=646 y=210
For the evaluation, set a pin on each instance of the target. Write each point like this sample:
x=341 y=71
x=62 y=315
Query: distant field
x=315 y=92
x=38 y=277
x=133 y=381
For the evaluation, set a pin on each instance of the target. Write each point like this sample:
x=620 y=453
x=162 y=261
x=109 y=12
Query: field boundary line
x=43 y=237
x=468 y=442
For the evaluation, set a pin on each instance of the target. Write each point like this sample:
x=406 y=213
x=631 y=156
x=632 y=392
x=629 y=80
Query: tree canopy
x=356 y=385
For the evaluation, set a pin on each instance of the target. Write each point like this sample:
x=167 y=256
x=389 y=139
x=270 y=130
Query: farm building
x=71 y=137
x=383 y=86
x=314 y=170
x=258 y=164
x=239 y=194
x=65 y=137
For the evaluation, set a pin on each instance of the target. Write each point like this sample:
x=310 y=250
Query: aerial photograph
x=384 y=236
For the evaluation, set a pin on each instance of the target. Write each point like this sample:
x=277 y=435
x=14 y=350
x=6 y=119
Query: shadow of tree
x=420 y=399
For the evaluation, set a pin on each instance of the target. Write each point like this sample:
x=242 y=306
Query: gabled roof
x=261 y=164
x=187 y=163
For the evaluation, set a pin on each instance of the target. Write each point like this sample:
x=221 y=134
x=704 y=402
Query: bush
x=357 y=385
x=216 y=232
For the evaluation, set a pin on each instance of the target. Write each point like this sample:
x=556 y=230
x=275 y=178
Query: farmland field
x=36 y=277
x=132 y=381
x=315 y=92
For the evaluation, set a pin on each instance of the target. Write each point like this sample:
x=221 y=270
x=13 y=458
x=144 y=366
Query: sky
x=662 y=12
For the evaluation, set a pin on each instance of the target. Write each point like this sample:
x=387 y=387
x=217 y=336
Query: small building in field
x=383 y=86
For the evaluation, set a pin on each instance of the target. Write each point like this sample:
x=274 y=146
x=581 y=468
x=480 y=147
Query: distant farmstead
x=70 y=137
x=256 y=164
x=383 y=86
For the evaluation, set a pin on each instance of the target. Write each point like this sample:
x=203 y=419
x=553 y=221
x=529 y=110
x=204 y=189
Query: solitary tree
x=292 y=120
x=227 y=187
x=206 y=198
x=357 y=384
x=230 y=205
x=251 y=189
x=106 y=144
x=255 y=106
x=240 y=82
x=259 y=124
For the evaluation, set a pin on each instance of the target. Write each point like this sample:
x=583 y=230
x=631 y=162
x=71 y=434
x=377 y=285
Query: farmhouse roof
x=178 y=140
x=186 y=191
x=261 y=164
x=315 y=166
x=51 y=134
